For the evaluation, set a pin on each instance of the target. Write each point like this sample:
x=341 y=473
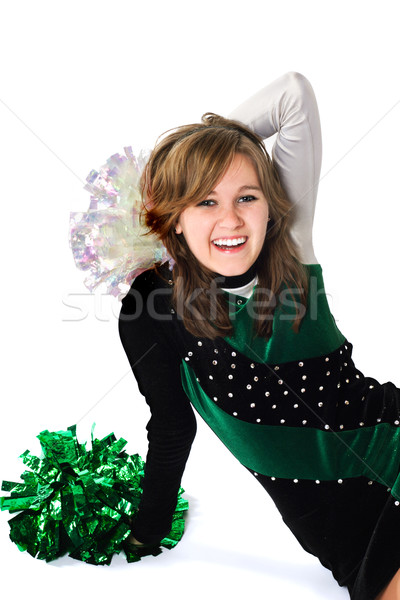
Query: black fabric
x=338 y=531
x=236 y=281
x=155 y=363
x=352 y=526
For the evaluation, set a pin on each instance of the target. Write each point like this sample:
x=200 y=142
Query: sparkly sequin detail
x=337 y=399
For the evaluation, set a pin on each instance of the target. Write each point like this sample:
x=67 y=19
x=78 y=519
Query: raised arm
x=288 y=107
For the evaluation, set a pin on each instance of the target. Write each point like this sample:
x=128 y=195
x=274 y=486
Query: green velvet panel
x=318 y=333
x=302 y=453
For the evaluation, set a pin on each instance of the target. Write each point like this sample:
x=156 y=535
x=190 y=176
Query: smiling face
x=226 y=230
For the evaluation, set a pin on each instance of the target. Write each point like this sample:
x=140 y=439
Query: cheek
x=186 y=223
x=194 y=228
x=261 y=221
x=190 y=231
x=181 y=228
x=198 y=240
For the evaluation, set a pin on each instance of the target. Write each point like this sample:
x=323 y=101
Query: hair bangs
x=199 y=162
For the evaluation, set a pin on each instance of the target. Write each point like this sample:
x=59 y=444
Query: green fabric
x=302 y=453
x=318 y=333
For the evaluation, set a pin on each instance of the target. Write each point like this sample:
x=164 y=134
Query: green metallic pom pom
x=81 y=502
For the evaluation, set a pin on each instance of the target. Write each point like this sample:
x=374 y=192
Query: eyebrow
x=243 y=188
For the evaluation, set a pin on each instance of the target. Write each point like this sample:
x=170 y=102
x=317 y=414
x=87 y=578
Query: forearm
x=288 y=107
x=165 y=464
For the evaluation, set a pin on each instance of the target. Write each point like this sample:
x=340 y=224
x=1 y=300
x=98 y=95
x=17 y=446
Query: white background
x=78 y=82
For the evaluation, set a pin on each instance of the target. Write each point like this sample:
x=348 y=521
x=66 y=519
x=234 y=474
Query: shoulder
x=148 y=326
x=150 y=286
x=159 y=276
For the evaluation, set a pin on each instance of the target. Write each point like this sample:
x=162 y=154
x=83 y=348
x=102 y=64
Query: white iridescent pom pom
x=109 y=240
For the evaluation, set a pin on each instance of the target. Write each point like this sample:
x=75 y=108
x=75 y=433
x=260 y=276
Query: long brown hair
x=182 y=169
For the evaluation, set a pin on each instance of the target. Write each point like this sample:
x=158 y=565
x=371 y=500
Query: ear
x=178 y=229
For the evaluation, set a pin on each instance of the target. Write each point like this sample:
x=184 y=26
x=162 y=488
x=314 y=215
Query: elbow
x=301 y=91
x=299 y=82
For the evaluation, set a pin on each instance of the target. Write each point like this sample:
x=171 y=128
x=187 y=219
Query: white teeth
x=229 y=242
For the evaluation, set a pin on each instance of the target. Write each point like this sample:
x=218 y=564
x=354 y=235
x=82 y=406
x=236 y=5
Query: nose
x=230 y=218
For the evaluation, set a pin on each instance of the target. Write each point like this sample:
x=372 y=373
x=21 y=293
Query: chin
x=233 y=272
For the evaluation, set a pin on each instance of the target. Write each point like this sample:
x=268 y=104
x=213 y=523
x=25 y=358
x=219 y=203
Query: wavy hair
x=182 y=169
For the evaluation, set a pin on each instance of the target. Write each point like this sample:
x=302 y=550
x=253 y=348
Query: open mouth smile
x=229 y=244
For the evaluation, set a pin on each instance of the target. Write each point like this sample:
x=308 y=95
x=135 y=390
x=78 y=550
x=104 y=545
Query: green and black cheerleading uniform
x=322 y=439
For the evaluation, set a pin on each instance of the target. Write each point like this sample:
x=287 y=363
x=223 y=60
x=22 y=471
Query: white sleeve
x=288 y=107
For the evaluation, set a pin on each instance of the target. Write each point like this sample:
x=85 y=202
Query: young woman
x=241 y=330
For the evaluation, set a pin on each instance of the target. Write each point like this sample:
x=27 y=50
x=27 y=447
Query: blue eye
x=247 y=198
x=206 y=203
